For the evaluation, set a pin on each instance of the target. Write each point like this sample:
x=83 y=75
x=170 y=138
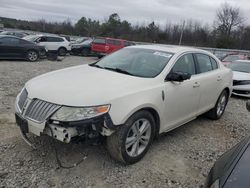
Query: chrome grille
x=22 y=98
x=40 y=110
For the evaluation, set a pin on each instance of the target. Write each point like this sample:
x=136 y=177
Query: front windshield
x=80 y=40
x=231 y=58
x=87 y=41
x=30 y=38
x=136 y=61
x=240 y=66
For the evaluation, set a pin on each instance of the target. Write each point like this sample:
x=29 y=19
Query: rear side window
x=204 y=63
x=54 y=39
x=99 y=41
x=185 y=64
x=114 y=42
x=214 y=63
x=8 y=40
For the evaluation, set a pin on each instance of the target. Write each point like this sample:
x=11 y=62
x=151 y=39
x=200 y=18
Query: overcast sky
x=136 y=11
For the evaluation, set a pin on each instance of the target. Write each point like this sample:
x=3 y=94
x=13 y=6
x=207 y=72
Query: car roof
x=47 y=35
x=168 y=48
x=110 y=38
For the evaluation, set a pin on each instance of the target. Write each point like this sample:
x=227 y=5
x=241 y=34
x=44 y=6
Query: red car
x=233 y=57
x=103 y=46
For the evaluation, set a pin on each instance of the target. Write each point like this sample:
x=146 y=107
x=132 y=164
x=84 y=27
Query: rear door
x=210 y=79
x=98 y=45
x=113 y=45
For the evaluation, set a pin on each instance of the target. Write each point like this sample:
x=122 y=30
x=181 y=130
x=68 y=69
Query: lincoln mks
x=128 y=97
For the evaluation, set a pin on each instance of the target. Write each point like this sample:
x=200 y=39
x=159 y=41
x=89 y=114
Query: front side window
x=204 y=63
x=99 y=41
x=185 y=64
x=42 y=39
x=139 y=62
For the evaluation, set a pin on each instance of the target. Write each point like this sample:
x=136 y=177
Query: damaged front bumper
x=65 y=131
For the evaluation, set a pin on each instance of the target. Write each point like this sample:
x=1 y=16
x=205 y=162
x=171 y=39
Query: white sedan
x=241 y=77
x=130 y=97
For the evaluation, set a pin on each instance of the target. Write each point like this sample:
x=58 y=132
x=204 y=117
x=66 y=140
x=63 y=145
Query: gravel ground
x=180 y=158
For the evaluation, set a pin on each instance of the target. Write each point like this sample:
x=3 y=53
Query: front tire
x=220 y=106
x=131 y=142
x=32 y=55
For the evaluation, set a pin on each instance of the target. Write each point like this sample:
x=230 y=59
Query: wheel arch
x=155 y=115
x=62 y=47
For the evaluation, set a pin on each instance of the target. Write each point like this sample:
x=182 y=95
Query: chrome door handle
x=196 y=84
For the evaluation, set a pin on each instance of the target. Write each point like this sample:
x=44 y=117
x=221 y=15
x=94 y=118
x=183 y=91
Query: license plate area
x=22 y=123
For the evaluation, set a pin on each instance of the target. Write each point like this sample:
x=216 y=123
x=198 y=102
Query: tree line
x=227 y=31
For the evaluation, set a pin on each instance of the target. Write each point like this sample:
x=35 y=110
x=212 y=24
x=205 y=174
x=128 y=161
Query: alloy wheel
x=138 y=137
x=32 y=56
x=221 y=105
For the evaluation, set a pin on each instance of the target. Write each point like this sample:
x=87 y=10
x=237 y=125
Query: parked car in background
x=103 y=46
x=79 y=40
x=51 y=43
x=231 y=170
x=130 y=97
x=233 y=57
x=241 y=77
x=18 y=34
x=15 y=48
x=83 y=48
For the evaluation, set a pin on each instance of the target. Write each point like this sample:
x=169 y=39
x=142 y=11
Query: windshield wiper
x=118 y=70
x=95 y=65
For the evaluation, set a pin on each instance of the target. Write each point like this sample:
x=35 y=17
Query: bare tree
x=228 y=18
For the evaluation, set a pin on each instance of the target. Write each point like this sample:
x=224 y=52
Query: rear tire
x=130 y=143
x=32 y=55
x=62 y=51
x=220 y=106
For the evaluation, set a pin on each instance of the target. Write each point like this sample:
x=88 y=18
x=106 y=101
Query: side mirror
x=248 y=105
x=177 y=76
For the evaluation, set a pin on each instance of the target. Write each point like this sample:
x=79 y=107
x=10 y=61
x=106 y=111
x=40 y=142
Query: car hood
x=241 y=75
x=83 y=86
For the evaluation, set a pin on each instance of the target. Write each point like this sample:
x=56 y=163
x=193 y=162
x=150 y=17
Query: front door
x=182 y=98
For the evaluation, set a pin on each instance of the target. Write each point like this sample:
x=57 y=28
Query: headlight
x=76 y=114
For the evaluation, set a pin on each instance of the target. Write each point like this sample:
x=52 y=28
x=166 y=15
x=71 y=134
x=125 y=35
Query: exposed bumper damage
x=66 y=131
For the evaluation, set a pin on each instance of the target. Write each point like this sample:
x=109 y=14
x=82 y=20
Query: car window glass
x=185 y=64
x=42 y=39
x=117 y=42
x=231 y=58
x=54 y=39
x=99 y=41
x=204 y=63
x=127 y=43
x=214 y=63
x=110 y=42
x=139 y=62
x=7 y=40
